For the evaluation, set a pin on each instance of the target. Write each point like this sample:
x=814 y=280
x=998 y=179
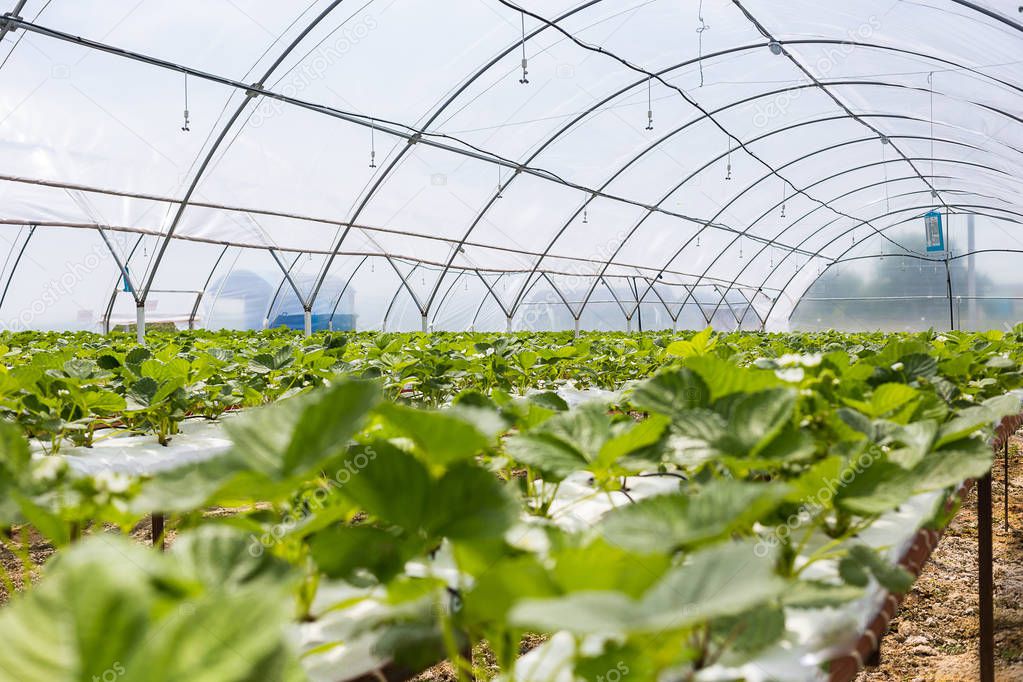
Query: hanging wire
x=728 y=174
x=186 y=126
x=372 y=144
x=784 y=197
x=525 y=62
x=930 y=90
x=699 y=33
x=649 y=104
x=499 y=186
x=586 y=216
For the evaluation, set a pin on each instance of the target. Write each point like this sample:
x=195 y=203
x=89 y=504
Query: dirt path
x=934 y=637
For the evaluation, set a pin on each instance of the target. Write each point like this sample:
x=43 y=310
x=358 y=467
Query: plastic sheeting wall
x=659 y=162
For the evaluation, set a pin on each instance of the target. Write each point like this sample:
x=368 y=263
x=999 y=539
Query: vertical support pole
x=307 y=320
x=1005 y=473
x=508 y=325
x=951 y=308
x=426 y=323
x=576 y=327
x=628 y=324
x=157 y=530
x=140 y=323
x=971 y=273
x=986 y=580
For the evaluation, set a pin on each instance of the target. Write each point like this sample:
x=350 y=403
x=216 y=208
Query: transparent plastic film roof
x=489 y=164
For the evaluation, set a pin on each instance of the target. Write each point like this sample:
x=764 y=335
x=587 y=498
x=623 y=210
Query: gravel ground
x=934 y=637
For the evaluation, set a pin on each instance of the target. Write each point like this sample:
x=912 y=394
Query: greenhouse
x=653 y=340
x=532 y=167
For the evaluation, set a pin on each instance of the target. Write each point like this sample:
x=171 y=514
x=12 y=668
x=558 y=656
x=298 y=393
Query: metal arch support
x=328 y=111
x=553 y=24
x=120 y=265
x=668 y=85
x=784 y=166
x=907 y=254
x=220 y=139
x=205 y=286
x=834 y=98
x=656 y=144
x=674 y=317
x=820 y=229
x=483 y=301
x=827 y=225
x=627 y=316
x=14 y=268
x=444 y=298
x=561 y=295
x=114 y=290
x=493 y=294
x=785 y=287
x=402 y=285
x=440 y=110
x=929 y=56
x=341 y=294
x=582 y=116
x=280 y=287
x=873 y=256
x=766 y=242
x=286 y=271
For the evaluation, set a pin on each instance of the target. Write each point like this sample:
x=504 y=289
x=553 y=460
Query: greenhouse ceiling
x=475 y=163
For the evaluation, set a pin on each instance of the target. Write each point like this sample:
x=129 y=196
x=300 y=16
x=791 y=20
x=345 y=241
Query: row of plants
x=64 y=388
x=443 y=528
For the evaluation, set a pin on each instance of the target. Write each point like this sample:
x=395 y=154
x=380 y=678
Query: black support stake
x=986 y=581
x=1005 y=472
x=157 y=531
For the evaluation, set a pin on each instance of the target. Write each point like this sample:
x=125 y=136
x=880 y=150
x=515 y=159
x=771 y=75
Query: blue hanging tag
x=126 y=282
x=933 y=232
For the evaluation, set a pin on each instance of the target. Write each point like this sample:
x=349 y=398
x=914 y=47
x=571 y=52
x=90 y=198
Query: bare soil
x=934 y=637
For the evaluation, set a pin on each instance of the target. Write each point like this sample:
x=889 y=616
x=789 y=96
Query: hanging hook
x=186 y=126
x=699 y=32
x=372 y=144
x=649 y=104
x=525 y=62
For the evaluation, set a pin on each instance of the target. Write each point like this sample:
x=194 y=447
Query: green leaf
x=724 y=378
x=296 y=436
x=549 y=455
x=672 y=393
x=469 y=503
x=342 y=550
x=720 y=581
x=441 y=438
x=862 y=559
x=666 y=523
x=386 y=482
x=757 y=418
